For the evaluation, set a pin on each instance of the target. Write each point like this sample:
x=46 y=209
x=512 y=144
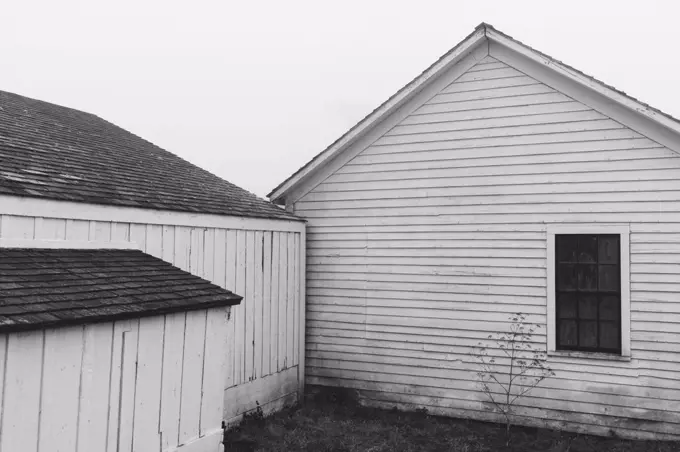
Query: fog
x=253 y=90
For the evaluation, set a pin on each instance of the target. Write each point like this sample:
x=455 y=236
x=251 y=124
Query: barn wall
x=260 y=264
x=424 y=244
x=134 y=385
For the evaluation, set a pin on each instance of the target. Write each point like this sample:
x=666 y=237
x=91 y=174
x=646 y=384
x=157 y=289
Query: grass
x=323 y=425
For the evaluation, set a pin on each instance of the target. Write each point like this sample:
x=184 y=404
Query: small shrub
x=505 y=384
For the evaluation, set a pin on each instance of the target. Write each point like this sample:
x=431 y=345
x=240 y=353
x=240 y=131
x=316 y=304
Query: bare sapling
x=511 y=366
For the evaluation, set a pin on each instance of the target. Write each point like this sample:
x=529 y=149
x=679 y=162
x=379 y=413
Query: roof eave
x=579 y=77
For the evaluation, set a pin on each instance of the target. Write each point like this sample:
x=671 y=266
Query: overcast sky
x=253 y=90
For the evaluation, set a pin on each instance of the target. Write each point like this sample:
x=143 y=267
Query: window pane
x=588 y=288
x=587 y=307
x=567 y=247
x=566 y=277
x=587 y=249
x=609 y=307
x=567 y=333
x=609 y=250
x=609 y=335
x=587 y=277
x=587 y=333
x=609 y=278
x=566 y=306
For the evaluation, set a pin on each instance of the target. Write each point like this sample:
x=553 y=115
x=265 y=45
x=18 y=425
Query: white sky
x=252 y=90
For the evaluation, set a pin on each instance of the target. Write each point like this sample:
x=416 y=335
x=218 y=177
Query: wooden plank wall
x=133 y=385
x=262 y=266
x=424 y=243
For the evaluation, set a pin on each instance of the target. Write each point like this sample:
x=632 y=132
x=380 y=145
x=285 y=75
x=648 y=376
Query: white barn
x=483 y=188
x=71 y=180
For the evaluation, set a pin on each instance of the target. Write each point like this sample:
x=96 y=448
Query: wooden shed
x=499 y=181
x=72 y=180
x=109 y=349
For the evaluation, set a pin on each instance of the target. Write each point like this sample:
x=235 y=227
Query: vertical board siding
x=239 y=311
x=258 y=265
x=134 y=385
x=61 y=382
x=213 y=370
x=171 y=384
x=94 y=387
x=262 y=332
x=275 y=304
x=147 y=385
x=249 y=321
x=283 y=300
x=192 y=376
x=22 y=391
x=266 y=302
x=424 y=244
x=127 y=387
x=231 y=266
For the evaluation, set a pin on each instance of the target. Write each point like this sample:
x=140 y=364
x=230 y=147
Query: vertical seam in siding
x=108 y=398
x=120 y=388
x=205 y=341
x=4 y=382
x=181 y=379
x=160 y=397
x=134 y=388
x=246 y=297
x=80 y=384
x=40 y=397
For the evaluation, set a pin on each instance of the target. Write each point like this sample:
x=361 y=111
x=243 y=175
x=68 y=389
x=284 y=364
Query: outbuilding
x=499 y=181
x=95 y=352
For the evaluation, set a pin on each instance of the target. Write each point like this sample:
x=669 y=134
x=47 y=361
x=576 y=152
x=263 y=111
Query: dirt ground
x=339 y=426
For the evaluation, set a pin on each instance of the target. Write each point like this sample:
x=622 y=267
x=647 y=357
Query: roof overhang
x=483 y=33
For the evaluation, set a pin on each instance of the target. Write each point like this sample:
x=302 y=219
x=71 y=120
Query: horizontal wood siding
x=256 y=264
x=113 y=386
x=424 y=244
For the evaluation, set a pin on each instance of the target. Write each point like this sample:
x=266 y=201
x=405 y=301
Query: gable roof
x=483 y=33
x=53 y=287
x=50 y=151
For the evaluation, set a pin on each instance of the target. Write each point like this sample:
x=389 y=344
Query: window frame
x=623 y=231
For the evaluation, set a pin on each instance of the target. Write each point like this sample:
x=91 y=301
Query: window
x=589 y=294
x=588 y=298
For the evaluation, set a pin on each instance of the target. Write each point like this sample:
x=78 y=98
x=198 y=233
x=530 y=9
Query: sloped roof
x=481 y=33
x=50 y=151
x=53 y=287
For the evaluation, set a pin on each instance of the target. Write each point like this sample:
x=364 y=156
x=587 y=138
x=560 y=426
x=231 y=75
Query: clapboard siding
x=263 y=338
x=426 y=241
x=111 y=386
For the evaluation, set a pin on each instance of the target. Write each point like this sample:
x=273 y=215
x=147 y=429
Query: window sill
x=588 y=355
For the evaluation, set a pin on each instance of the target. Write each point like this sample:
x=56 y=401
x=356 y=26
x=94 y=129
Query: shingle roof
x=50 y=151
x=53 y=287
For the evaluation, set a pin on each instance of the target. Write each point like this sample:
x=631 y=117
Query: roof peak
x=485 y=26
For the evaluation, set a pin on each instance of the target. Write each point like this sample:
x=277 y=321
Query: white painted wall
x=256 y=258
x=135 y=385
x=422 y=244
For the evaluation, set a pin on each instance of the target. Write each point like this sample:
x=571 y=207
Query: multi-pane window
x=588 y=292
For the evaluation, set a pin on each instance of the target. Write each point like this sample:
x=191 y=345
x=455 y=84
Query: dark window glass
x=588 y=298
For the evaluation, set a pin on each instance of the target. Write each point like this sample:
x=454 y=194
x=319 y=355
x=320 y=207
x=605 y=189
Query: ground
x=323 y=425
